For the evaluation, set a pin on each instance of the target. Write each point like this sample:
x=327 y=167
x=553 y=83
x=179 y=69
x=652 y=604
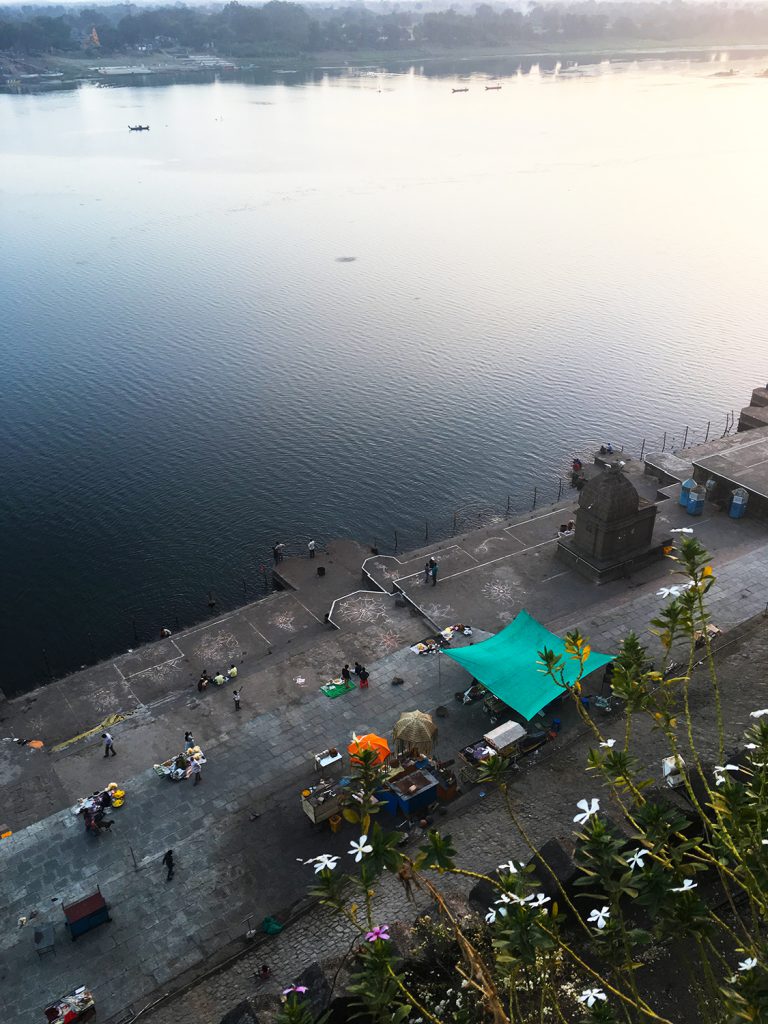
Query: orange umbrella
x=370 y=742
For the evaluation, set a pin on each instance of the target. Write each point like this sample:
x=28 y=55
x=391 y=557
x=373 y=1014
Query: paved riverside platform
x=259 y=759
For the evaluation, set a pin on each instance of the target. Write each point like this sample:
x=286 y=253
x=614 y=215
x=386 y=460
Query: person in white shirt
x=311 y=547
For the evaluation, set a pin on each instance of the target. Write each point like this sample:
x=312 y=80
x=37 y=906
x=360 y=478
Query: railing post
x=642 y=449
x=709 y=424
x=454 y=524
x=508 y=499
x=559 y=488
x=395 y=541
x=664 y=442
x=535 y=491
x=685 y=438
x=426 y=531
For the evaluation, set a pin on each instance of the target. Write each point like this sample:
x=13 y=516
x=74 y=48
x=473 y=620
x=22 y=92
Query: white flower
x=608 y=743
x=682 y=529
x=325 y=860
x=591 y=995
x=599 y=917
x=637 y=859
x=748 y=965
x=490 y=917
x=675 y=590
x=357 y=848
x=541 y=899
x=758 y=714
x=509 y=867
x=751 y=746
x=506 y=898
x=588 y=809
x=720 y=768
x=688 y=884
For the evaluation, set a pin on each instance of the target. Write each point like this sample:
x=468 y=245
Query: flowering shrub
x=652 y=873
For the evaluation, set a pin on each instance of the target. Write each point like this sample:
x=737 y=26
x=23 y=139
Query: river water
x=344 y=304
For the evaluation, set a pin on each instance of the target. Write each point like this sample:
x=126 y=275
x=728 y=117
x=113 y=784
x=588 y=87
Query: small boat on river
x=138 y=127
x=491 y=88
x=459 y=90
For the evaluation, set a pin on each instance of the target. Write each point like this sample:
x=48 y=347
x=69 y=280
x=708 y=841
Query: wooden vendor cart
x=503 y=741
x=321 y=802
x=77 y=1006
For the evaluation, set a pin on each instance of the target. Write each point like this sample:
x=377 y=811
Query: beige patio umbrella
x=415 y=732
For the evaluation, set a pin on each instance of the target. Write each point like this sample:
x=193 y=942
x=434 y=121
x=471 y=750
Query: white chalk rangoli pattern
x=217 y=646
x=499 y=591
x=284 y=620
x=364 y=609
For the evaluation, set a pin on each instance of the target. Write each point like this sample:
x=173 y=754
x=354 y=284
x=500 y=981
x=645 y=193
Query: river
x=331 y=304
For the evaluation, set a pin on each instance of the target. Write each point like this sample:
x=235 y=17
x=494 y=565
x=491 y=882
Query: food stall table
x=77 y=1006
x=180 y=767
x=86 y=914
x=415 y=791
x=44 y=939
x=321 y=802
x=328 y=763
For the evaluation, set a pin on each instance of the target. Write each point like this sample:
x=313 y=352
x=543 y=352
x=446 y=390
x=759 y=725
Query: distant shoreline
x=85 y=68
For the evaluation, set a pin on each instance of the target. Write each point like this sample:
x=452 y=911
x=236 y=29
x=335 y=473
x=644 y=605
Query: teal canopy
x=508 y=664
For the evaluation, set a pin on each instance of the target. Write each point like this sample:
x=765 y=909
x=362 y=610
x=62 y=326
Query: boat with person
x=460 y=90
x=138 y=127
x=491 y=88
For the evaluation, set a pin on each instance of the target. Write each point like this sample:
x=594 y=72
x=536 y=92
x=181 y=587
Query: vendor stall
x=414 y=733
x=85 y=914
x=180 y=767
x=509 y=740
x=321 y=802
x=329 y=763
x=414 y=791
x=111 y=796
x=77 y=1006
x=433 y=644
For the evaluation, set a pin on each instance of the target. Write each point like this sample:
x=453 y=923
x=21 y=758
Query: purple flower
x=379 y=932
x=295 y=990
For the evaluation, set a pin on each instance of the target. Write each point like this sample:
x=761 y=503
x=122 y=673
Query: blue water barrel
x=739 y=499
x=696 y=498
x=685 y=489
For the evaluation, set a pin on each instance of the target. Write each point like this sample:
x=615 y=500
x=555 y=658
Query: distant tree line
x=280 y=28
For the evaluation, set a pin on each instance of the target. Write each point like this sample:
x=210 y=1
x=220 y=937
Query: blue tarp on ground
x=508 y=664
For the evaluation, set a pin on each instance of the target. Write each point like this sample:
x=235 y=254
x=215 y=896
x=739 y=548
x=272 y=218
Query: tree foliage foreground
x=685 y=877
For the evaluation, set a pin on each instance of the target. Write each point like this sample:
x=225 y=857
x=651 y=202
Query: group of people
x=567 y=529
x=278 y=550
x=218 y=680
x=430 y=571
x=360 y=671
x=95 y=813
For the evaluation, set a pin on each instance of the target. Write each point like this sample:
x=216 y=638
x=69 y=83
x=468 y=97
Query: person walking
x=167 y=861
x=188 y=740
x=236 y=699
x=109 y=744
x=346 y=676
x=232 y=671
x=202 y=682
x=311 y=546
x=197 y=771
x=364 y=675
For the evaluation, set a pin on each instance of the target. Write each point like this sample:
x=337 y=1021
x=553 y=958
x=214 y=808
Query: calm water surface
x=339 y=305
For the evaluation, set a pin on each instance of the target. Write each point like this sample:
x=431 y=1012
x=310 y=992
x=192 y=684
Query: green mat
x=334 y=690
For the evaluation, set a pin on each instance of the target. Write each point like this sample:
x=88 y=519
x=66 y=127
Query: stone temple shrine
x=614 y=529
